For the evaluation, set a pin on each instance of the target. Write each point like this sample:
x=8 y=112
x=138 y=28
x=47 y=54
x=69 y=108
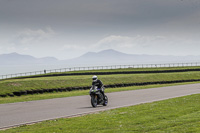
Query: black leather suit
x=99 y=84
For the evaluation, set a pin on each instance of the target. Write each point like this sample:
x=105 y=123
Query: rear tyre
x=94 y=101
x=105 y=101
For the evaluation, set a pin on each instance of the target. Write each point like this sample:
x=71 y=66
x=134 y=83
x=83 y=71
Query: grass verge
x=77 y=93
x=173 y=115
x=12 y=85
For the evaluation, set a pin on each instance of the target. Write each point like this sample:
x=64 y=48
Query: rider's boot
x=103 y=95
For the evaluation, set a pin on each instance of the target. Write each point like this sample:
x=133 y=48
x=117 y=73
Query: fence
x=99 y=68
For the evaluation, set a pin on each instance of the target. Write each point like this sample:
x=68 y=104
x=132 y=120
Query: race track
x=15 y=114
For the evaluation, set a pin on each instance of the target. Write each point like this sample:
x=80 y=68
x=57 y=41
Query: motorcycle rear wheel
x=105 y=101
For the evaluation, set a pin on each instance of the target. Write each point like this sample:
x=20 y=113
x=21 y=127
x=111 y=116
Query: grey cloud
x=93 y=13
x=29 y=36
x=82 y=23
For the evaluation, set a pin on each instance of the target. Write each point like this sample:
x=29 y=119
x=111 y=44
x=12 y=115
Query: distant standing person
x=44 y=71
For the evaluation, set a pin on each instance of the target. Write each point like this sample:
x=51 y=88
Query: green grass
x=9 y=86
x=174 y=115
x=24 y=98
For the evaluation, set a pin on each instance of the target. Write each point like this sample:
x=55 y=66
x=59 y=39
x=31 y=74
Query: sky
x=67 y=29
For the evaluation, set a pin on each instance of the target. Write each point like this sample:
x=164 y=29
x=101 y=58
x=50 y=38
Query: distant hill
x=106 y=57
x=18 y=59
x=111 y=56
x=18 y=63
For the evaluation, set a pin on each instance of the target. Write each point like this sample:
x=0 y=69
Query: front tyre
x=94 y=101
x=105 y=101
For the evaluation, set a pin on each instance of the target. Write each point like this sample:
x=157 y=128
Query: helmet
x=94 y=78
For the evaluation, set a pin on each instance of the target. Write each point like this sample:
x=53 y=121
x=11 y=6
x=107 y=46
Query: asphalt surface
x=15 y=114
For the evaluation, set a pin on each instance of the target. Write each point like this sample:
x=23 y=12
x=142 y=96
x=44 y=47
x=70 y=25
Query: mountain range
x=111 y=56
x=18 y=59
x=105 y=57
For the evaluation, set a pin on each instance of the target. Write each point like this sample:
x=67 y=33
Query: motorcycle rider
x=99 y=84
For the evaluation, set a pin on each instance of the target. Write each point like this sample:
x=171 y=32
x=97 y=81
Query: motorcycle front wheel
x=94 y=101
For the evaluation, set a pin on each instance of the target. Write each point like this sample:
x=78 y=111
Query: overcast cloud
x=69 y=28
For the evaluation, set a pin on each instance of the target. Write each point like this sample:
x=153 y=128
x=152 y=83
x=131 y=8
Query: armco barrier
x=40 y=91
x=109 y=73
x=99 y=68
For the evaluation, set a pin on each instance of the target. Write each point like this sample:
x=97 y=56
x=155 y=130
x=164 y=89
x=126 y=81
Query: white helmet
x=94 y=78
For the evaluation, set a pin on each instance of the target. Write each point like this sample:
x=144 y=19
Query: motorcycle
x=97 y=97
